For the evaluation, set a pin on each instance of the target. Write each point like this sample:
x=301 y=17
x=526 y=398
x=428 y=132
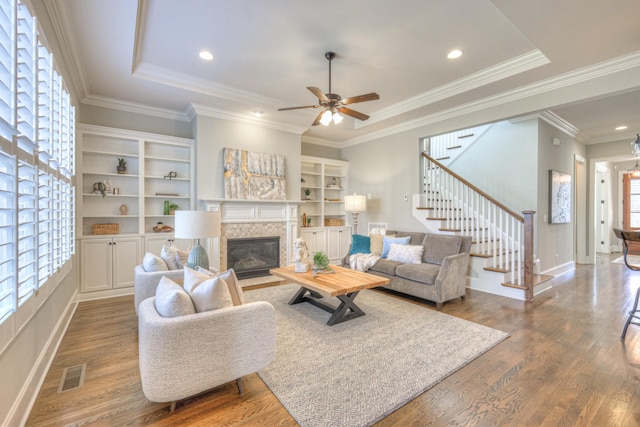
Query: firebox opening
x=253 y=256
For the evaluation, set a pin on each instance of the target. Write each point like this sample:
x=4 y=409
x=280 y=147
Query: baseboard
x=21 y=408
x=111 y=293
x=561 y=269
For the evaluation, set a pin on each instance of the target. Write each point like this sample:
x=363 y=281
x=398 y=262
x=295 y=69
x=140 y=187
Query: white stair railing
x=498 y=232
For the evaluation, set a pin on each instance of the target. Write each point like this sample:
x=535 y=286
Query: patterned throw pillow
x=152 y=263
x=406 y=254
x=172 y=300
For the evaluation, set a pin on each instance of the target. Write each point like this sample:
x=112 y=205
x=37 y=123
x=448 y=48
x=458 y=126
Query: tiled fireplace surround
x=253 y=218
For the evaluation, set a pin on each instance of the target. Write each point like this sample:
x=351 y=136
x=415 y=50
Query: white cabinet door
x=154 y=244
x=316 y=239
x=96 y=272
x=126 y=255
x=338 y=241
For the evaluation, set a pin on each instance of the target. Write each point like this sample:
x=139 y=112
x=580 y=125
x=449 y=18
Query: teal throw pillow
x=387 y=241
x=360 y=244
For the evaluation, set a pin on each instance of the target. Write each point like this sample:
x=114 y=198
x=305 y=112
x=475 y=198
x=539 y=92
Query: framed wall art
x=559 y=197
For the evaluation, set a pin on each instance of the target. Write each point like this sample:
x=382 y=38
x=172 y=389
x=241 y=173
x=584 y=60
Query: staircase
x=502 y=251
x=446 y=148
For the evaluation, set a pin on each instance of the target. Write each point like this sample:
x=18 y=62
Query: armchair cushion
x=152 y=263
x=439 y=246
x=193 y=278
x=172 y=300
x=169 y=254
x=211 y=294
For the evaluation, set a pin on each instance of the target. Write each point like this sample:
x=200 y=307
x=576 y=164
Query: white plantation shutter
x=37 y=162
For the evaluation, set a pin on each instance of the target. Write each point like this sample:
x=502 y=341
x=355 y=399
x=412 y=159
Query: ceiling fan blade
x=353 y=113
x=361 y=98
x=316 y=122
x=298 y=108
x=317 y=92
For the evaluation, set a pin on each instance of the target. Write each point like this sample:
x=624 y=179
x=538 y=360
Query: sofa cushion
x=172 y=300
x=439 y=246
x=423 y=273
x=416 y=238
x=360 y=244
x=387 y=241
x=170 y=255
x=152 y=262
x=211 y=294
x=408 y=254
x=385 y=266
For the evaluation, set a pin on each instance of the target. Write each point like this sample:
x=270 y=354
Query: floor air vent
x=72 y=378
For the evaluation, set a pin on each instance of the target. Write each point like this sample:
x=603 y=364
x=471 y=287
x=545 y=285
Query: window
x=37 y=162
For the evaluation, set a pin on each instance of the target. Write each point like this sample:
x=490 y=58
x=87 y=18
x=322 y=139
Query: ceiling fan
x=333 y=104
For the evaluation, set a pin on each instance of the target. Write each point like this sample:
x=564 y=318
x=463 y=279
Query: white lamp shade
x=197 y=224
x=355 y=203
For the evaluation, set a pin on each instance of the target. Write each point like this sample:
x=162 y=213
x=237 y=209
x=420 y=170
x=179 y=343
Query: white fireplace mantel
x=234 y=211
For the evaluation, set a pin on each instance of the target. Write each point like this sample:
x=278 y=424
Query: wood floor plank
x=563 y=364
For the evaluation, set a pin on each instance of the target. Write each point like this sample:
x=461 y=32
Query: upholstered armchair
x=145 y=283
x=186 y=355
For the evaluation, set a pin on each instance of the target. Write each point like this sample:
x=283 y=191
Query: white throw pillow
x=171 y=300
x=193 y=278
x=231 y=279
x=181 y=256
x=211 y=294
x=152 y=263
x=407 y=254
x=170 y=256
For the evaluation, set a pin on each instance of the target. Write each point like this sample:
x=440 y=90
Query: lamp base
x=354 y=218
x=198 y=257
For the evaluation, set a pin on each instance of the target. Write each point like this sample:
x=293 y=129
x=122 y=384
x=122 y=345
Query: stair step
x=443 y=158
x=454 y=147
x=537 y=279
x=461 y=230
x=431 y=208
x=490 y=254
x=485 y=240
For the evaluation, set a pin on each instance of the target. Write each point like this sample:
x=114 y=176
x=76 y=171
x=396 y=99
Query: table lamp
x=355 y=204
x=197 y=225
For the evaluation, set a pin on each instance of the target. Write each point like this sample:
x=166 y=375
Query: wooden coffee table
x=344 y=284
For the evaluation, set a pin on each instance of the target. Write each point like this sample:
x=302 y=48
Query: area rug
x=357 y=372
x=262 y=280
x=632 y=259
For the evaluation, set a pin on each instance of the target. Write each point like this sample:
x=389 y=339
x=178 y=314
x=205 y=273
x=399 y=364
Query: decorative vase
x=166 y=208
x=121 y=169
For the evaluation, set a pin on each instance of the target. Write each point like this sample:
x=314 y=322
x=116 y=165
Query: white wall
x=212 y=135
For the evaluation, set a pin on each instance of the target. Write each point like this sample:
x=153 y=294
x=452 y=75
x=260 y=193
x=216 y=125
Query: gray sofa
x=440 y=277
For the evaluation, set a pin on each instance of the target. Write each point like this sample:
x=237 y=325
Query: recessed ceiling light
x=621 y=128
x=206 y=55
x=258 y=113
x=456 y=53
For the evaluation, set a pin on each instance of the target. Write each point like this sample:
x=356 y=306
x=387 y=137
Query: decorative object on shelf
x=107 y=186
x=123 y=209
x=308 y=222
x=171 y=175
x=307 y=194
x=304 y=219
x=165 y=211
x=168 y=194
x=173 y=208
x=116 y=191
x=321 y=263
x=333 y=222
x=197 y=225
x=355 y=204
x=99 y=186
x=302 y=180
x=302 y=255
x=122 y=166
x=161 y=228
x=105 y=228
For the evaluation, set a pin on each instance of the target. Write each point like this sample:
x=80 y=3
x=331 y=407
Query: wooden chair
x=634 y=314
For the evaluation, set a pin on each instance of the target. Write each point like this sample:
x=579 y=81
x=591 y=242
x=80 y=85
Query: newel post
x=528 y=253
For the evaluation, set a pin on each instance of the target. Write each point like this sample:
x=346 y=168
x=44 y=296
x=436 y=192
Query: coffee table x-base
x=344 y=284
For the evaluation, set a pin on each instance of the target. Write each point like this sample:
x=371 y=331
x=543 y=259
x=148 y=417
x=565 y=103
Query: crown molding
x=489 y=75
x=139 y=32
x=58 y=11
x=320 y=141
x=131 y=107
x=195 y=110
x=617 y=137
x=558 y=122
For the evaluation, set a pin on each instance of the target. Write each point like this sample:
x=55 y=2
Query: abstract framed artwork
x=250 y=175
x=559 y=197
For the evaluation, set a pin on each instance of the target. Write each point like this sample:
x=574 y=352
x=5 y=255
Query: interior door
x=631 y=206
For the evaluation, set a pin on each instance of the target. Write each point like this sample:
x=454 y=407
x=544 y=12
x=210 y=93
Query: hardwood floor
x=563 y=365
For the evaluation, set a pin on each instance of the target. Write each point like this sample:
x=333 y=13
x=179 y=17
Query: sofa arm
x=145 y=284
x=185 y=355
x=451 y=279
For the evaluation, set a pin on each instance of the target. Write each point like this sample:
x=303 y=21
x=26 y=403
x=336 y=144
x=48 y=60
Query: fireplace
x=253 y=256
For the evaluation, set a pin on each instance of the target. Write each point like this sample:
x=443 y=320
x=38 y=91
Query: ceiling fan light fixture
x=337 y=118
x=326 y=118
x=635 y=147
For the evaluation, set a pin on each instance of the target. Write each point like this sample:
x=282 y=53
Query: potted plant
x=172 y=208
x=99 y=186
x=307 y=194
x=122 y=166
x=321 y=262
